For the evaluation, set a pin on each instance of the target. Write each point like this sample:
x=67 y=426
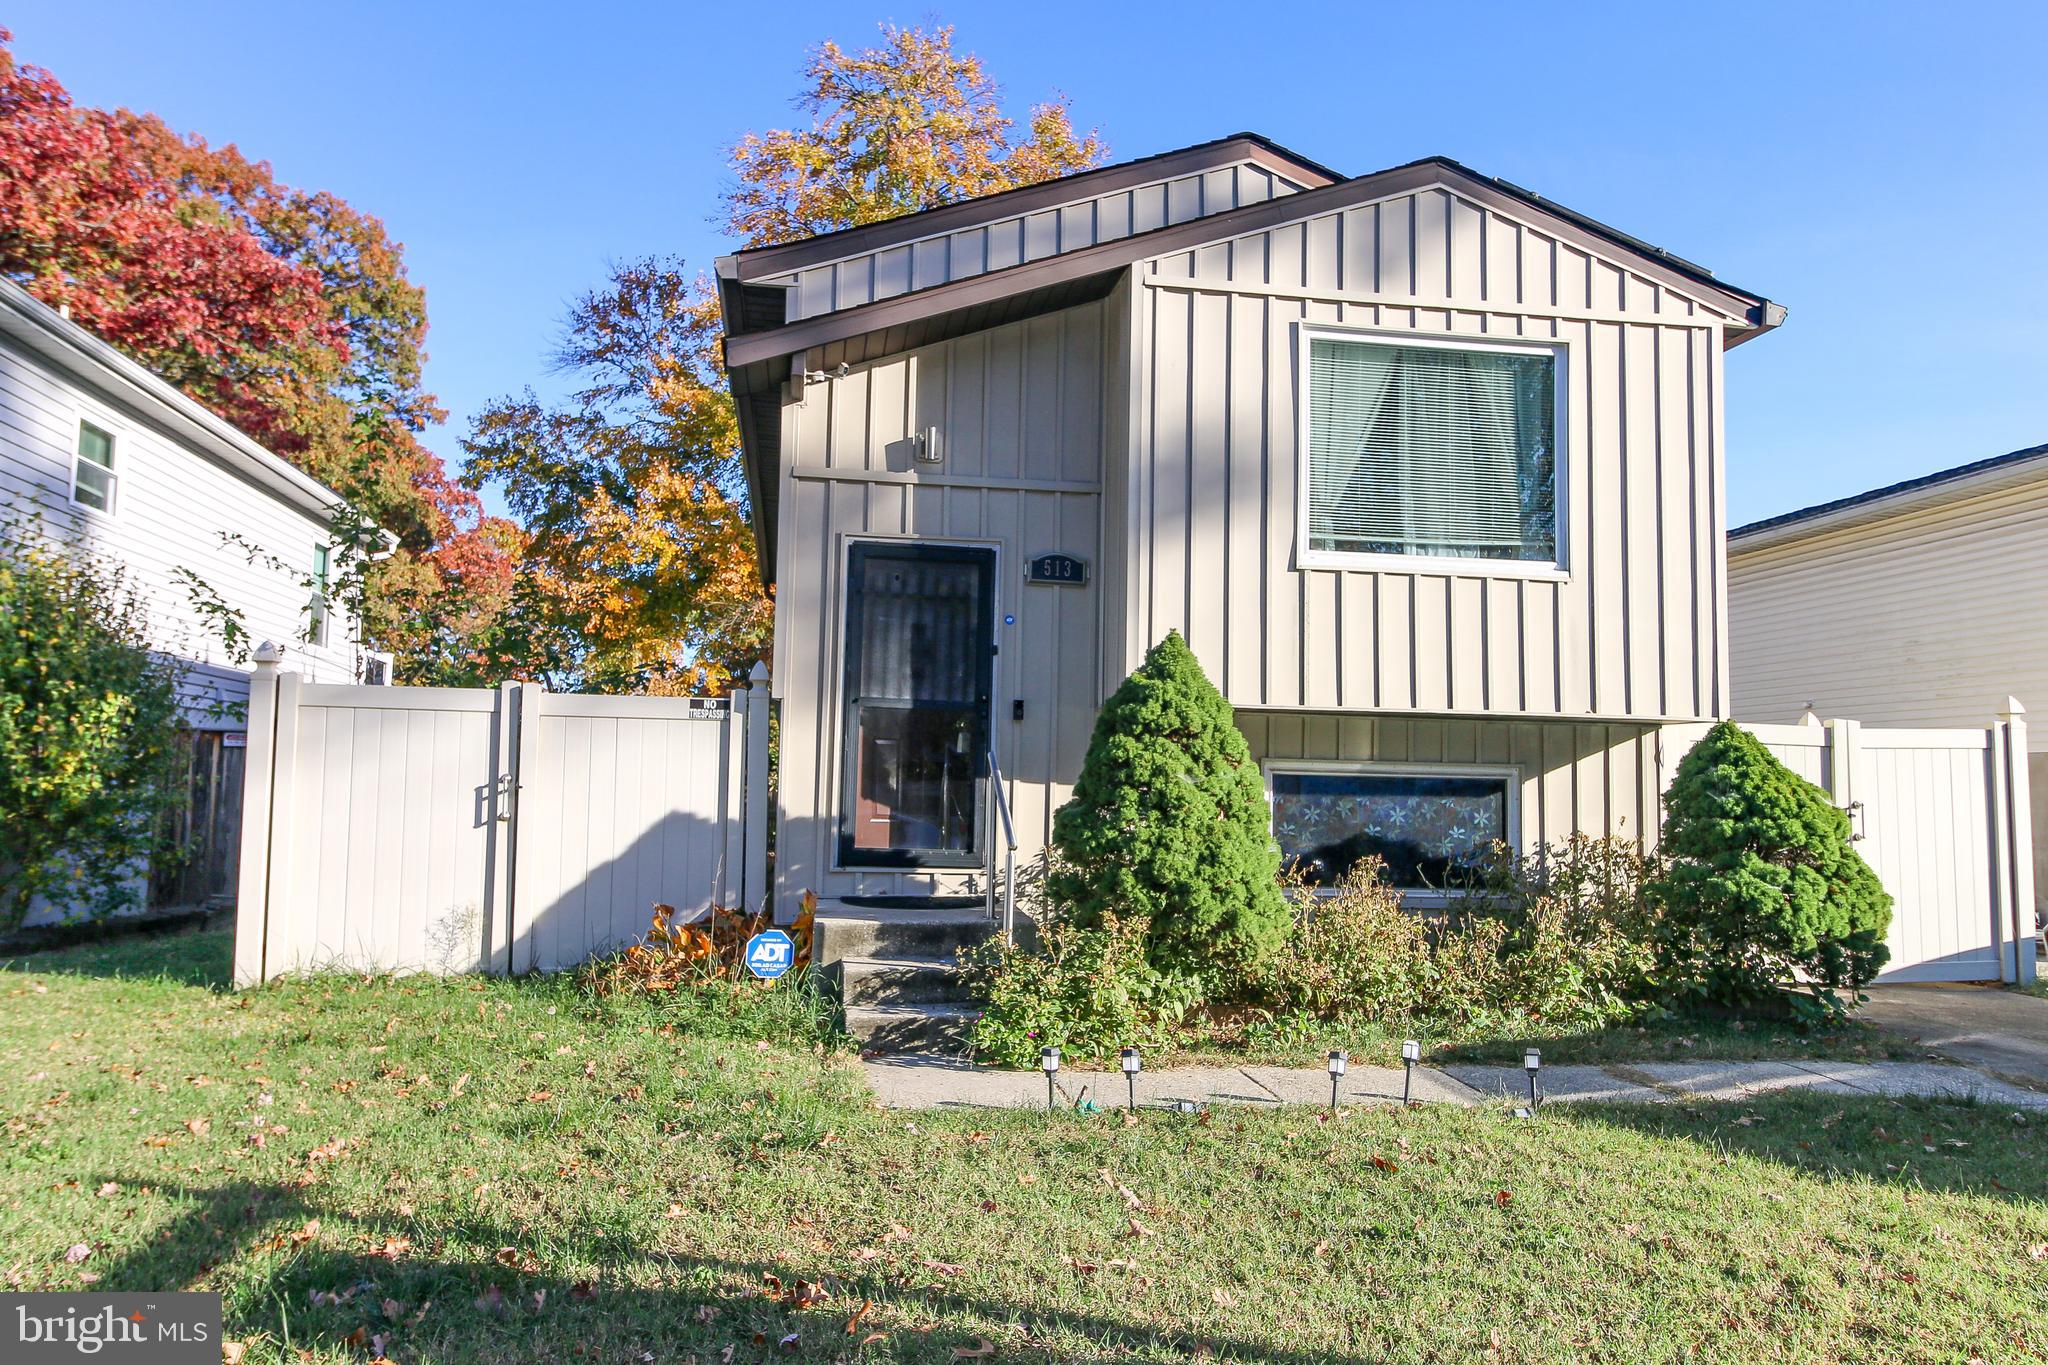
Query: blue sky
x=1881 y=169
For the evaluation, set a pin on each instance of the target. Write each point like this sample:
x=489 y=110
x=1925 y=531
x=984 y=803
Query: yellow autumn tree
x=638 y=571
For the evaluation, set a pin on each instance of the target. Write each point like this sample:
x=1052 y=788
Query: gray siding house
x=1427 y=469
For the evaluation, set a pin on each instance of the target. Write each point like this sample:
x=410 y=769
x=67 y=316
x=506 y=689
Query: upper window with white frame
x=1419 y=449
x=92 y=471
x=1431 y=827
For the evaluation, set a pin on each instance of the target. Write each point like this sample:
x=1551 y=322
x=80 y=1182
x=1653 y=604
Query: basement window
x=1418 y=449
x=1431 y=826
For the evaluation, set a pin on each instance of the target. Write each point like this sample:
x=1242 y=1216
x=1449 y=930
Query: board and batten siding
x=946 y=257
x=172 y=510
x=1930 y=616
x=1021 y=411
x=1636 y=630
x=1575 y=777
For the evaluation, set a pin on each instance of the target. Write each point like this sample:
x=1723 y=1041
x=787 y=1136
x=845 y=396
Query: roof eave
x=88 y=359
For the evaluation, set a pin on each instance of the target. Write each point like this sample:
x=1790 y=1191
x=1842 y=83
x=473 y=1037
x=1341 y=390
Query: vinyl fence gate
x=1944 y=819
x=501 y=830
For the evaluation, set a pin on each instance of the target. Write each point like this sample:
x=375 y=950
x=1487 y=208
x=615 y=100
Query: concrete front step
x=894 y=935
x=900 y=981
x=882 y=1029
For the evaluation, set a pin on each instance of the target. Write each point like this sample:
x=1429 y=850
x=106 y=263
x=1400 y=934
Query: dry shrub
x=713 y=948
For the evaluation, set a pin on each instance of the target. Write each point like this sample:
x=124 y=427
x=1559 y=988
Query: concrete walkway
x=927 y=1082
x=2000 y=1031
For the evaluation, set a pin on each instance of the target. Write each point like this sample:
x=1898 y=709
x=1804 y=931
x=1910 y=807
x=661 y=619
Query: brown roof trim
x=855 y=241
x=801 y=336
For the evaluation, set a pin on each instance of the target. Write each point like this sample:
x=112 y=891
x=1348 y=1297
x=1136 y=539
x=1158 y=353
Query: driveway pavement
x=1999 y=1031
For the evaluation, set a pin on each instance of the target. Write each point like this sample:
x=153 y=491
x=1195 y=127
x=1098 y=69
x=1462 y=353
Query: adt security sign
x=770 y=953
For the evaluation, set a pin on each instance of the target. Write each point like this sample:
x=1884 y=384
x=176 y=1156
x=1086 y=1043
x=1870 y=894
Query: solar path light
x=1049 y=1063
x=1532 y=1062
x=1338 y=1061
x=1411 y=1053
x=1132 y=1064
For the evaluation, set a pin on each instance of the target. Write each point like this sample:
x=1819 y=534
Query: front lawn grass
x=485 y=1170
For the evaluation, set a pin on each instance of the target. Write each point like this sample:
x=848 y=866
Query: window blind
x=1426 y=450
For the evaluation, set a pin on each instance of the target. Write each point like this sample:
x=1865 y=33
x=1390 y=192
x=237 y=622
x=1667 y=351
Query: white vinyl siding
x=1431 y=451
x=174 y=507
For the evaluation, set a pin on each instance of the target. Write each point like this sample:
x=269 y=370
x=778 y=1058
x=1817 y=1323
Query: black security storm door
x=919 y=657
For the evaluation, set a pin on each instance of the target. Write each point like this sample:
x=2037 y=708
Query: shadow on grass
x=191 y=957
x=497 y=1309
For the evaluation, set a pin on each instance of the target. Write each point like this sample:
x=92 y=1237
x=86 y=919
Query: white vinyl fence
x=1942 y=817
x=498 y=830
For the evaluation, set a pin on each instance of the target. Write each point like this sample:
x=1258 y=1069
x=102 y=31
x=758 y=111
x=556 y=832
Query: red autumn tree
x=287 y=311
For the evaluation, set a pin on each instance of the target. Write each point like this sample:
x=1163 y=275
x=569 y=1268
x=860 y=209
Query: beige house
x=1426 y=468
x=1920 y=604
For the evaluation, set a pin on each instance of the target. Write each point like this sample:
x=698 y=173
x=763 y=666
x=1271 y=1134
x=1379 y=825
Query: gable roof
x=759 y=345
x=1943 y=485
x=754 y=263
x=56 y=340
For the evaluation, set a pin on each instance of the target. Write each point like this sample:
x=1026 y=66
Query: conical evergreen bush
x=1763 y=883
x=1169 y=821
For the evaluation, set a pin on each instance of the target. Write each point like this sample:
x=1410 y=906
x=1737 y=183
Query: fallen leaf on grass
x=391 y=1249
x=109 y=1190
x=1381 y=1163
x=982 y=1349
x=231 y=1352
x=539 y=1096
x=853 y=1323
x=1222 y=1297
x=582 y=1290
x=1137 y=1229
x=455 y=1090
x=77 y=1252
x=1502 y=1197
x=944 y=1267
x=515 y=1259
x=706 y=1314
x=2038 y=1252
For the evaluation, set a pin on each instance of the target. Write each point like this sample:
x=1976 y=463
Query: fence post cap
x=758 y=674
x=2013 y=709
x=269 y=654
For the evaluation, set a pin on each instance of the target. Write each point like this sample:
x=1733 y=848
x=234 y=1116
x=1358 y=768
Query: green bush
x=1581 y=931
x=1764 y=894
x=1169 y=826
x=90 y=754
x=1087 y=990
x=1558 y=939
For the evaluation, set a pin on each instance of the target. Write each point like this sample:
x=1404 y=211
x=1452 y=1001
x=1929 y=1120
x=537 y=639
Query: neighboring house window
x=1421 y=450
x=92 y=473
x=1430 y=826
x=316 y=633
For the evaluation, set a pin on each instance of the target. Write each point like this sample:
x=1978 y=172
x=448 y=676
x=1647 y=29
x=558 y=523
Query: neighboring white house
x=1427 y=469
x=106 y=456
x=1921 y=604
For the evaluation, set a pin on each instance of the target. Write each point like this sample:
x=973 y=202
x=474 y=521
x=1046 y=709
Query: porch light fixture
x=1411 y=1053
x=1132 y=1065
x=1532 y=1062
x=1049 y=1063
x=1339 y=1059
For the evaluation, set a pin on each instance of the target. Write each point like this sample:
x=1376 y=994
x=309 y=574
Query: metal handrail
x=1000 y=808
